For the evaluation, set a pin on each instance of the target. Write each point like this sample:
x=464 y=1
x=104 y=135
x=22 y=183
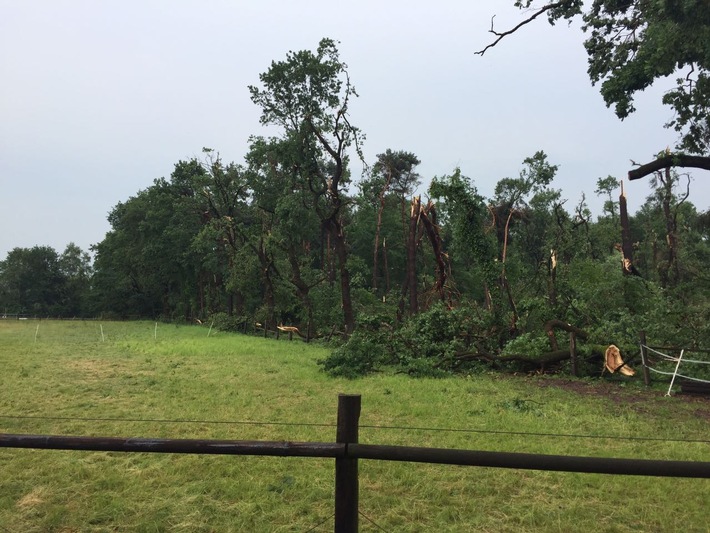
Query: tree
x=633 y=43
x=295 y=235
x=510 y=204
x=31 y=281
x=392 y=171
x=146 y=265
x=664 y=184
x=464 y=215
x=75 y=266
x=308 y=95
x=607 y=187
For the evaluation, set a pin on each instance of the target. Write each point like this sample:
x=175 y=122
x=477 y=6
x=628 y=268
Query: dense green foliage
x=427 y=287
x=39 y=281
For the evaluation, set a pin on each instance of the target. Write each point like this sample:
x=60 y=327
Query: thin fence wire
x=319 y=524
x=371 y=521
x=168 y=421
x=362 y=426
x=676 y=360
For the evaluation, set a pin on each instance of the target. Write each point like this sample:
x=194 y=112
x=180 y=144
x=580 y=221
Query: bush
x=361 y=355
x=424 y=345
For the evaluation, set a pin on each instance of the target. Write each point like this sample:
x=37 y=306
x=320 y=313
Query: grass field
x=174 y=381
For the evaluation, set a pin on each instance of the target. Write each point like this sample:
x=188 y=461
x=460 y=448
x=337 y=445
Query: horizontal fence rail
x=347 y=451
x=530 y=461
x=328 y=450
x=193 y=446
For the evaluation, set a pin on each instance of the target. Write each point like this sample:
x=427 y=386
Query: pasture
x=66 y=378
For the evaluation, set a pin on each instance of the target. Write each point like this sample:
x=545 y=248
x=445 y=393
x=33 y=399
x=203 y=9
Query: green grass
x=179 y=382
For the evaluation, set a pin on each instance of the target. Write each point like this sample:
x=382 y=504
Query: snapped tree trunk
x=627 y=260
x=504 y=284
x=552 y=279
x=412 y=254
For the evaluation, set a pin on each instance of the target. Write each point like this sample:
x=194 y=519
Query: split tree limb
x=667 y=161
x=551 y=325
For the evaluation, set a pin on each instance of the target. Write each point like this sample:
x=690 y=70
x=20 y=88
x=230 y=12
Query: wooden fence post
x=644 y=359
x=346 y=473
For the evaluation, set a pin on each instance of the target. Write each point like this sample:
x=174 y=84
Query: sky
x=98 y=99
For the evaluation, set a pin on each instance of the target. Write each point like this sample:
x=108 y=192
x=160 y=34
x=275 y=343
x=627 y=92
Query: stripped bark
x=428 y=218
x=414 y=215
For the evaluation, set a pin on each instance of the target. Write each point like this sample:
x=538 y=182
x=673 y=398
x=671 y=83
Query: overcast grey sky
x=99 y=98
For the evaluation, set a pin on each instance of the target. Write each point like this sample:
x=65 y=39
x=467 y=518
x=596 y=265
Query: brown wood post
x=644 y=359
x=573 y=354
x=346 y=472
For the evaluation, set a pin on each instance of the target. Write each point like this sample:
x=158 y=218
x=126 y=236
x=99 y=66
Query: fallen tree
x=541 y=362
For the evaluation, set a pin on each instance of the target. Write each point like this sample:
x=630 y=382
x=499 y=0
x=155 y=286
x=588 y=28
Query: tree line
x=431 y=282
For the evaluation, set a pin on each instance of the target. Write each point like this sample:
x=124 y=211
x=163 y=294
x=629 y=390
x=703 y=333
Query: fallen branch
x=542 y=361
x=551 y=325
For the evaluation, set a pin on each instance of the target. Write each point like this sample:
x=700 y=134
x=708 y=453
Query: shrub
x=424 y=345
x=361 y=355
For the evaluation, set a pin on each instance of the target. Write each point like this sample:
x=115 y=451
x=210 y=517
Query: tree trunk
x=412 y=255
x=627 y=260
x=428 y=218
x=337 y=238
x=669 y=270
x=302 y=288
x=552 y=279
x=504 y=284
x=386 y=266
x=378 y=228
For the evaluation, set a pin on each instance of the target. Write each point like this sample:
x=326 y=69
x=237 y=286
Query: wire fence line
x=346 y=451
x=676 y=359
x=362 y=426
x=698 y=384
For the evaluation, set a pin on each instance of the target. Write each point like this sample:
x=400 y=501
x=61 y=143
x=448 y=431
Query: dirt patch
x=600 y=388
x=619 y=394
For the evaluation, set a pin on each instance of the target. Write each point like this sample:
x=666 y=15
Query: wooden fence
x=346 y=450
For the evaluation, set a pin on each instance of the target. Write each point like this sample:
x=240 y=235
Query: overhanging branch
x=501 y=35
x=667 y=161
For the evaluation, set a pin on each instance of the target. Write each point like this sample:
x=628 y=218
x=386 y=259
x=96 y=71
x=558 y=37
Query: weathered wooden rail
x=347 y=451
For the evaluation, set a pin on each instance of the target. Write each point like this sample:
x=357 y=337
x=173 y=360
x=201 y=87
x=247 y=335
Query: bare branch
x=528 y=20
